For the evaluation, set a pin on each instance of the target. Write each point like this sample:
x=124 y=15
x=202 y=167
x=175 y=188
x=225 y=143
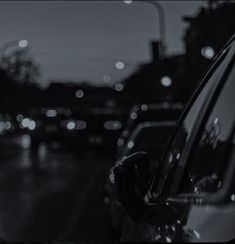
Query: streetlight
x=162 y=21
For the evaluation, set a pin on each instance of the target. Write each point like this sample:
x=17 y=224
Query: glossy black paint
x=147 y=113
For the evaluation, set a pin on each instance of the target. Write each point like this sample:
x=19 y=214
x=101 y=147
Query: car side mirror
x=132 y=181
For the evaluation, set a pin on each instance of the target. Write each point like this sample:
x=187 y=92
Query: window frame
x=209 y=110
x=156 y=189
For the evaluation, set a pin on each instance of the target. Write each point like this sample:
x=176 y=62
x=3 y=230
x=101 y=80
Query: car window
x=208 y=160
x=185 y=128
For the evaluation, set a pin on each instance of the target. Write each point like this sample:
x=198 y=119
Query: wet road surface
x=51 y=194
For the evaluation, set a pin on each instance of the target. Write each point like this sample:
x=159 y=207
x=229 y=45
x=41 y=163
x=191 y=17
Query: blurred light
x=81 y=125
x=25 y=123
x=112 y=125
x=166 y=81
x=130 y=144
x=178 y=106
x=51 y=113
x=19 y=117
x=128 y=1
x=134 y=115
x=42 y=152
x=25 y=141
x=106 y=201
x=125 y=133
x=107 y=78
x=208 y=52
x=178 y=156
x=32 y=125
x=120 y=65
x=79 y=93
x=144 y=107
x=166 y=105
x=71 y=125
x=120 y=142
x=28 y=123
x=119 y=87
x=233 y=197
x=112 y=178
x=23 y=43
x=8 y=125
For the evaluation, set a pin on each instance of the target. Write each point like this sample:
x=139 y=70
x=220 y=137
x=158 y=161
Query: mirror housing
x=132 y=182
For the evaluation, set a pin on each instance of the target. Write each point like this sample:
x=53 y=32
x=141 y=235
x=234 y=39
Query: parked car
x=143 y=137
x=191 y=196
x=148 y=112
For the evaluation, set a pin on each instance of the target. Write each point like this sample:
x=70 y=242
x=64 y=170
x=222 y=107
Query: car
x=103 y=126
x=143 y=137
x=48 y=124
x=191 y=195
x=145 y=113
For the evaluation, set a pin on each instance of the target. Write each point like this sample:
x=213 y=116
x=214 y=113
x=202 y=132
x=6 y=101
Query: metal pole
x=162 y=23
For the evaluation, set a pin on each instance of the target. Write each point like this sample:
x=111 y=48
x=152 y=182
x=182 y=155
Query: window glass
x=208 y=162
x=185 y=129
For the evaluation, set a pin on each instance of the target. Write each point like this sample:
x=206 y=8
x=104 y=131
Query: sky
x=84 y=40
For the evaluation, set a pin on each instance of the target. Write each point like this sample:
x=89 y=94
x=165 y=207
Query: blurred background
x=77 y=79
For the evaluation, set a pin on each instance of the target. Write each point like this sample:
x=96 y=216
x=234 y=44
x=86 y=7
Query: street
x=50 y=194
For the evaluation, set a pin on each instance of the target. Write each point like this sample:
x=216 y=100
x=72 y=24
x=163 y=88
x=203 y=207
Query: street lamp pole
x=162 y=22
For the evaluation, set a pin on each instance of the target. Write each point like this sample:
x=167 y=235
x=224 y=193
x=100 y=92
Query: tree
x=20 y=66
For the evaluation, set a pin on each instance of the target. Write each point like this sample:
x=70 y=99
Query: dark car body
x=105 y=125
x=143 y=137
x=191 y=196
x=146 y=113
x=99 y=128
x=50 y=125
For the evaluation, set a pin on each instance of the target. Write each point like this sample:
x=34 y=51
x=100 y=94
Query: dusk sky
x=82 y=40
